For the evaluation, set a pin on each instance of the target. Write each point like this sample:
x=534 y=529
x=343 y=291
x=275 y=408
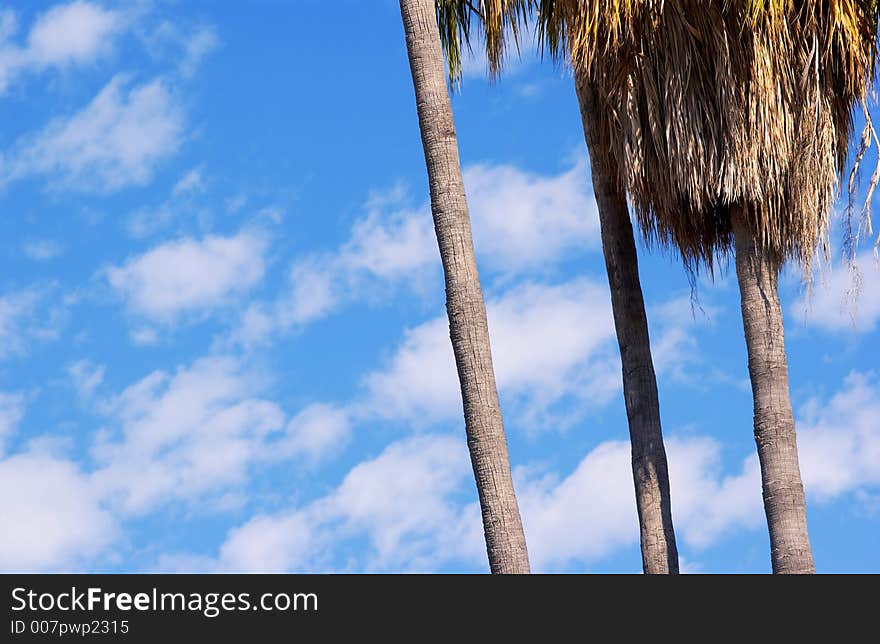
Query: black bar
x=408 y=607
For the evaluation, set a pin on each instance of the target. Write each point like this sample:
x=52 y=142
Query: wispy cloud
x=116 y=141
x=198 y=44
x=41 y=250
x=76 y=33
x=27 y=316
x=186 y=46
x=12 y=408
x=184 y=436
x=522 y=221
x=86 y=377
x=181 y=206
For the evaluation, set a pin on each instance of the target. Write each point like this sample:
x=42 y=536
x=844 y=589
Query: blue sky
x=222 y=337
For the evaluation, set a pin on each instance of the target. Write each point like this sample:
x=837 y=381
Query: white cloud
x=404 y=528
x=524 y=220
x=839 y=439
x=52 y=519
x=378 y=253
x=76 y=33
x=843 y=301
x=706 y=503
x=521 y=221
x=553 y=340
x=315 y=432
x=432 y=519
x=571 y=521
x=583 y=517
x=311 y=295
x=269 y=544
x=548 y=342
x=839 y=453
x=391 y=246
x=420 y=379
x=41 y=250
x=411 y=529
x=591 y=513
x=192 y=436
x=183 y=437
x=189 y=275
x=117 y=140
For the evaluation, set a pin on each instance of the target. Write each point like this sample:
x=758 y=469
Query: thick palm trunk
x=774 y=421
x=650 y=473
x=468 y=328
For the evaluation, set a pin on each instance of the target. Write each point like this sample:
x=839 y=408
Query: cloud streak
x=116 y=141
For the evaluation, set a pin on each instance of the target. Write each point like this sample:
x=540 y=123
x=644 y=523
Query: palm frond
x=716 y=103
x=499 y=23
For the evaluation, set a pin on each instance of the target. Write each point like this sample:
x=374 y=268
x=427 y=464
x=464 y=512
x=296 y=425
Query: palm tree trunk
x=783 y=490
x=468 y=328
x=650 y=473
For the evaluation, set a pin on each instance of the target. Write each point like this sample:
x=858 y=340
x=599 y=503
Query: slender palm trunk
x=783 y=490
x=468 y=328
x=650 y=473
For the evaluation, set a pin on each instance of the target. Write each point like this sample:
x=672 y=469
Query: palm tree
x=650 y=471
x=468 y=327
x=729 y=123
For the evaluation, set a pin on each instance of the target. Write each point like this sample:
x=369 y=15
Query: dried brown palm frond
x=720 y=103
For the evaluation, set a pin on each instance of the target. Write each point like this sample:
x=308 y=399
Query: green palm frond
x=454 y=21
x=498 y=21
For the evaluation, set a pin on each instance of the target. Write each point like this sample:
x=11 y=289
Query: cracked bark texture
x=468 y=327
x=650 y=471
x=783 y=491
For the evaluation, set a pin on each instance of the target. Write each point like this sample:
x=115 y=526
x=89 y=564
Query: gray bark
x=468 y=327
x=783 y=490
x=650 y=472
